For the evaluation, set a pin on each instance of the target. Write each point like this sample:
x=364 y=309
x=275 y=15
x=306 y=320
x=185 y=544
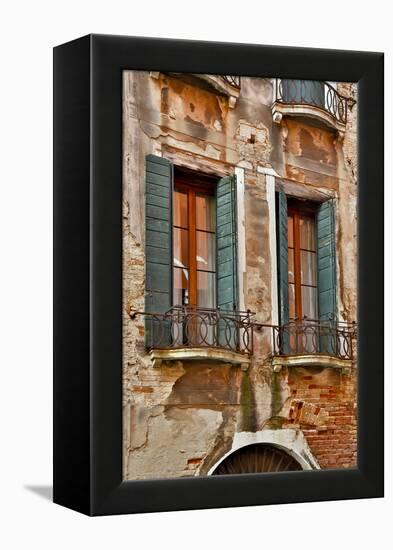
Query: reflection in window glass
x=206 y=289
x=180 y=286
x=180 y=209
x=291 y=266
x=205 y=213
x=292 y=314
x=180 y=247
x=290 y=231
x=309 y=302
x=307 y=233
x=206 y=251
x=308 y=267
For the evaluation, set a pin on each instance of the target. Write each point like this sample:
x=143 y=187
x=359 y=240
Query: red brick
x=343 y=420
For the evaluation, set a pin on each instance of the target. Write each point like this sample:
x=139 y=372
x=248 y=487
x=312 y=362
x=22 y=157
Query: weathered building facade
x=239 y=274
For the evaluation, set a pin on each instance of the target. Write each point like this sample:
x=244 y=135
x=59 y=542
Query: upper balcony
x=310 y=98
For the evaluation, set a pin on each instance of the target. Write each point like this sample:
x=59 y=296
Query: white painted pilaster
x=271 y=201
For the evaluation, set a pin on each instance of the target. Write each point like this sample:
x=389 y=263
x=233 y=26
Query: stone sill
x=315 y=360
x=158 y=356
x=318 y=113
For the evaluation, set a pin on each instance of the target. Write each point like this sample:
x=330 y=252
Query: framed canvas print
x=218 y=302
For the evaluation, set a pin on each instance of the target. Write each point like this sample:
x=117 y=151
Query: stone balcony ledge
x=311 y=111
x=310 y=360
x=209 y=354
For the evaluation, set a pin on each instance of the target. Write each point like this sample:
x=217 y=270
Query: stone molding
x=311 y=360
x=158 y=356
x=292 y=441
x=279 y=110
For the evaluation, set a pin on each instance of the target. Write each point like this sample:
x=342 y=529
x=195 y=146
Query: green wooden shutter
x=282 y=266
x=326 y=258
x=226 y=268
x=158 y=247
x=226 y=264
x=282 y=253
x=326 y=247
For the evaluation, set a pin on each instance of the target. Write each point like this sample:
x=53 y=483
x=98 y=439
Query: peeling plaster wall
x=181 y=418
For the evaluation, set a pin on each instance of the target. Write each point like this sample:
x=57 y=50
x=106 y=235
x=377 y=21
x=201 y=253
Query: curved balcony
x=310 y=342
x=310 y=98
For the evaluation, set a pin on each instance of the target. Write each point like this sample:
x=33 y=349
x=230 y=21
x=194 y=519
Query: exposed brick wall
x=323 y=406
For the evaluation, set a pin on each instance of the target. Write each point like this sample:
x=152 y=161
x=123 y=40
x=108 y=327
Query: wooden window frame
x=192 y=184
x=295 y=210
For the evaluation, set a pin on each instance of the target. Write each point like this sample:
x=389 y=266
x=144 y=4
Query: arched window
x=256 y=458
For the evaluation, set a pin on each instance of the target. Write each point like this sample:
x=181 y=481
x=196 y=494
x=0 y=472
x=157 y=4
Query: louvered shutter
x=226 y=268
x=282 y=251
x=158 y=247
x=326 y=257
x=226 y=264
x=282 y=266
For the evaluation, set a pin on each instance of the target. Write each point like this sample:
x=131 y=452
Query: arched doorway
x=257 y=458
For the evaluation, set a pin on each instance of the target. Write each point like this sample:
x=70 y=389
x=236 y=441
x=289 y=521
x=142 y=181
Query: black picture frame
x=88 y=274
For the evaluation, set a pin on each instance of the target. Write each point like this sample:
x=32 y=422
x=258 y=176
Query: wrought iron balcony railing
x=314 y=93
x=313 y=337
x=232 y=80
x=196 y=327
x=190 y=327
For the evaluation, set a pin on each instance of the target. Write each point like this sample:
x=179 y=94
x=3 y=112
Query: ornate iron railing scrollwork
x=315 y=93
x=186 y=326
x=312 y=337
x=232 y=80
x=194 y=327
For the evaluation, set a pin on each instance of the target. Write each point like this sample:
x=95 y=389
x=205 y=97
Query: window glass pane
x=206 y=289
x=307 y=233
x=290 y=231
x=309 y=302
x=180 y=247
x=291 y=300
x=180 y=210
x=291 y=266
x=308 y=267
x=205 y=213
x=206 y=251
x=180 y=286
